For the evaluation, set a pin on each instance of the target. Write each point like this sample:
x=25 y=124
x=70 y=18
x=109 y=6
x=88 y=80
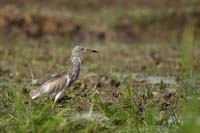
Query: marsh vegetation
x=146 y=77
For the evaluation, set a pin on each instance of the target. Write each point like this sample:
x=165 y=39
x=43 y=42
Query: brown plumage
x=57 y=85
x=51 y=87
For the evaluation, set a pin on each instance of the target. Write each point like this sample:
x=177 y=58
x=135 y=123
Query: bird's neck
x=75 y=68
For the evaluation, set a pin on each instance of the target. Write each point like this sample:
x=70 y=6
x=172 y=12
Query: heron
x=56 y=86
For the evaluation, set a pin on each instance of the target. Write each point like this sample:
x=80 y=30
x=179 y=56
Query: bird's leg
x=53 y=105
x=92 y=102
x=58 y=96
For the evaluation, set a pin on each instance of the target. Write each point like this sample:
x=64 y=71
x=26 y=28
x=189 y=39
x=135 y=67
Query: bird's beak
x=90 y=50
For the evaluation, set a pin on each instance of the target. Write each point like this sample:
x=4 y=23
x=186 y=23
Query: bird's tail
x=35 y=93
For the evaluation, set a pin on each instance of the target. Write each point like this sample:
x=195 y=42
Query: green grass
x=106 y=86
x=129 y=114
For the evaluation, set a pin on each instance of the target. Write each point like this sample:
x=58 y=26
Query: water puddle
x=174 y=120
x=156 y=80
x=6 y=110
x=87 y=116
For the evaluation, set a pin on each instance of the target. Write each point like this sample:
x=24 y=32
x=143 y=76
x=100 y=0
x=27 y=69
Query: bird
x=56 y=86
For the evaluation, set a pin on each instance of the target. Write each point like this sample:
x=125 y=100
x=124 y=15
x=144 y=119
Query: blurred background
x=35 y=34
x=89 y=21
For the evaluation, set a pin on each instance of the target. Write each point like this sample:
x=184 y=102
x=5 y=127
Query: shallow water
x=156 y=80
x=88 y=116
x=6 y=110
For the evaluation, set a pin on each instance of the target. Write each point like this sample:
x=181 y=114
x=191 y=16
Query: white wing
x=52 y=86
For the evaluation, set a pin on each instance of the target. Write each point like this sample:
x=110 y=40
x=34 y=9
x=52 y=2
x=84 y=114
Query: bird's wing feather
x=55 y=76
x=53 y=85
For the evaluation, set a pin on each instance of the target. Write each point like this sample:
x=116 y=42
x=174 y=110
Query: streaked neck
x=75 y=69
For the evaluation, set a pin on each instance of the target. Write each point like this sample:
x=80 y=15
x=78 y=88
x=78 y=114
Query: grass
x=20 y=114
x=106 y=87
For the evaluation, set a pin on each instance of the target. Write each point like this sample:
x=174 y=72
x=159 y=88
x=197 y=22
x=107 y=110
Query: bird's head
x=78 y=50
